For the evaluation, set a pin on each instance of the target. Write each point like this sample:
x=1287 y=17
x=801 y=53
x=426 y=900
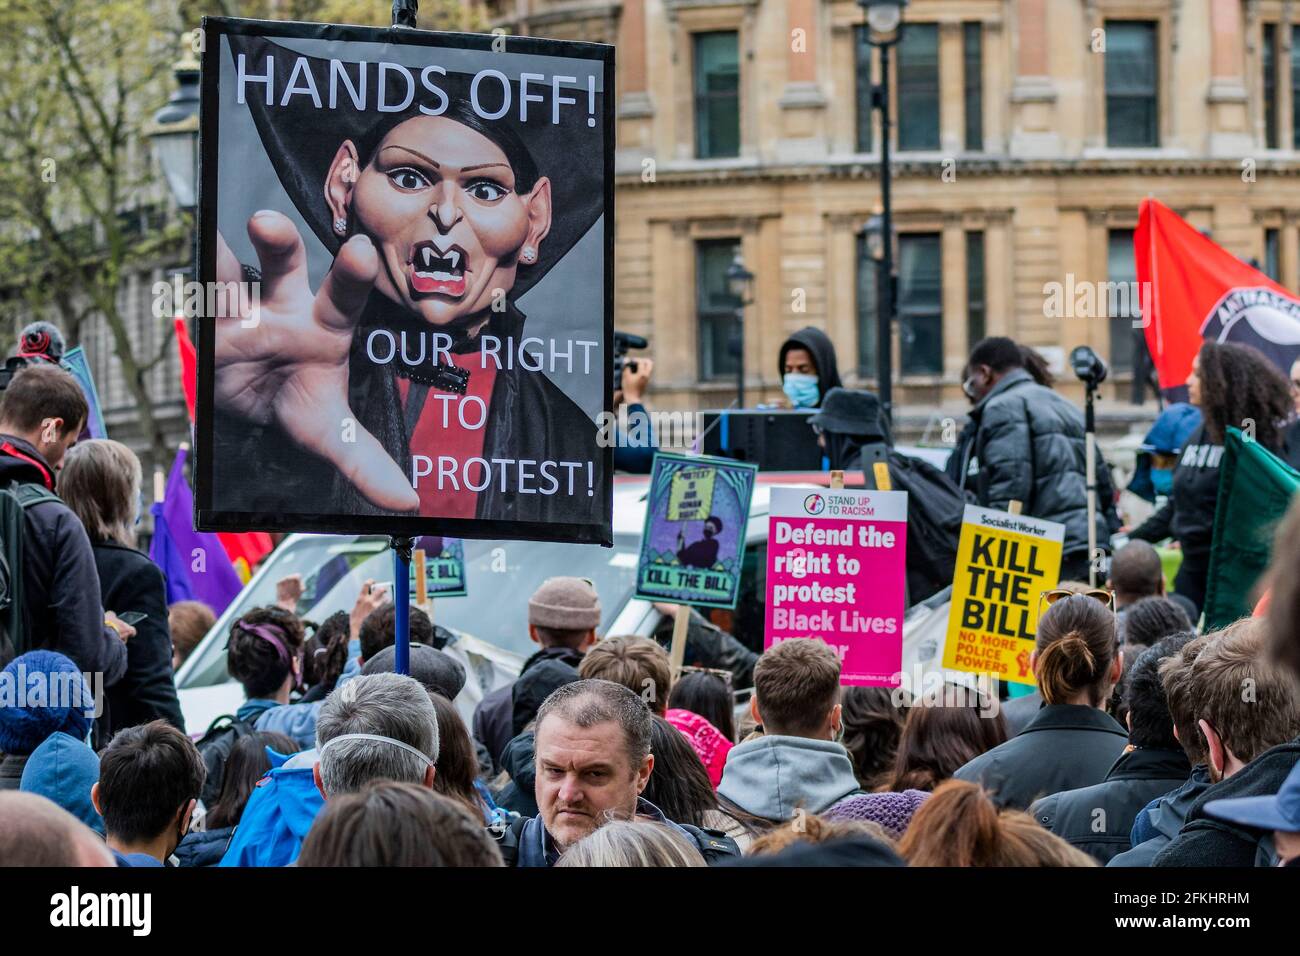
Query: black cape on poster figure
x=244 y=478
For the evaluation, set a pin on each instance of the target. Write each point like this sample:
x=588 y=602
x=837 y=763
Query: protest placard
x=444 y=567
x=406 y=249
x=1004 y=562
x=75 y=361
x=696 y=513
x=837 y=571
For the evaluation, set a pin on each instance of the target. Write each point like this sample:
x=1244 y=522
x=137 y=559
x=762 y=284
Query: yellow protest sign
x=1004 y=562
x=691 y=495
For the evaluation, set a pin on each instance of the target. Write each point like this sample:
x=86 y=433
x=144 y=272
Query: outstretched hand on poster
x=284 y=358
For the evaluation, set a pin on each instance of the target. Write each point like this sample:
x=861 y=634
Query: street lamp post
x=740 y=282
x=884 y=27
x=174 y=131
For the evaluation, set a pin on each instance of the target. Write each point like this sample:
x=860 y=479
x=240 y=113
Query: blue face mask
x=1162 y=480
x=801 y=389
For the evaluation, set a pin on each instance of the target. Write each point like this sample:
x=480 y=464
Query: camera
x=623 y=341
x=1088 y=366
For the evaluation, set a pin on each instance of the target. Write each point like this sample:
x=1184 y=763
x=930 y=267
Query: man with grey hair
x=375 y=727
x=593 y=760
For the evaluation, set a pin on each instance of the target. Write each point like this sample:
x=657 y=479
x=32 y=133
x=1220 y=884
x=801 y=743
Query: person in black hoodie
x=1099 y=819
x=41 y=416
x=101 y=484
x=1071 y=742
x=1234 y=386
x=1250 y=717
x=808 y=368
x=563 y=615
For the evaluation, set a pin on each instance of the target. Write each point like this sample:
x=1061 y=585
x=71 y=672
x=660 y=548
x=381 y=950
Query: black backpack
x=15 y=498
x=935 y=507
x=214 y=747
x=714 y=845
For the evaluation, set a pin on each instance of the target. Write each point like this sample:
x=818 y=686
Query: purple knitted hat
x=893 y=811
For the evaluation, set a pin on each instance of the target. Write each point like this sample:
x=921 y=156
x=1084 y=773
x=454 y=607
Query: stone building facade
x=1027 y=133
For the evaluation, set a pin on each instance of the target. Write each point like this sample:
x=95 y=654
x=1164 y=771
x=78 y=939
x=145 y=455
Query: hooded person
x=437 y=222
x=25 y=725
x=807 y=366
x=854 y=432
x=63 y=769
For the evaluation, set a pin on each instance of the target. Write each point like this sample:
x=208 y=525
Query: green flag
x=1255 y=489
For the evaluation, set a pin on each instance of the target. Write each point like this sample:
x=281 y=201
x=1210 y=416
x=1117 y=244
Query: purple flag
x=194 y=562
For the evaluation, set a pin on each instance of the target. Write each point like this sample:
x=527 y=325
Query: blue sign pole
x=402 y=609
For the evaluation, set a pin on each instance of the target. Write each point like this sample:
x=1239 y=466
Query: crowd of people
x=1148 y=741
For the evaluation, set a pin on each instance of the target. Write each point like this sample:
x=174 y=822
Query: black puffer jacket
x=204 y=847
x=61 y=585
x=1029 y=444
x=1099 y=819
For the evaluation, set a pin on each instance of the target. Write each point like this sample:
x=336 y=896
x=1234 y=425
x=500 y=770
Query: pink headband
x=267 y=632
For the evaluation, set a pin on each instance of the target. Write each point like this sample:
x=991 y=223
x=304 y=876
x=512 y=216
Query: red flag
x=1193 y=290
x=245 y=549
x=189 y=362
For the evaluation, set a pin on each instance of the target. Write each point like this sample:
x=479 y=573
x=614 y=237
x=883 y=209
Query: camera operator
x=1029 y=446
x=635 y=449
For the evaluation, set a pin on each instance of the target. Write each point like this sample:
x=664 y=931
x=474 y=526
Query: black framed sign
x=406 y=244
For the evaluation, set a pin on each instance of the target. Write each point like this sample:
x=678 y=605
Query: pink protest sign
x=836 y=570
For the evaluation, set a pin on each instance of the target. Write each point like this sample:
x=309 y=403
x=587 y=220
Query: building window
x=1132 y=61
x=918 y=87
x=1123 y=304
x=973 y=85
x=717 y=94
x=862 y=63
x=920 y=304
x=1295 y=87
x=1268 y=57
x=1271 y=254
x=867 y=299
x=716 y=308
x=975 y=304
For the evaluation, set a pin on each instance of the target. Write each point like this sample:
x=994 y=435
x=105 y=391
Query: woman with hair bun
x=1071 y=742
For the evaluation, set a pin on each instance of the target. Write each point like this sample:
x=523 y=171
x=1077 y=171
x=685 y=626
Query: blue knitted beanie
x=36 y=700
